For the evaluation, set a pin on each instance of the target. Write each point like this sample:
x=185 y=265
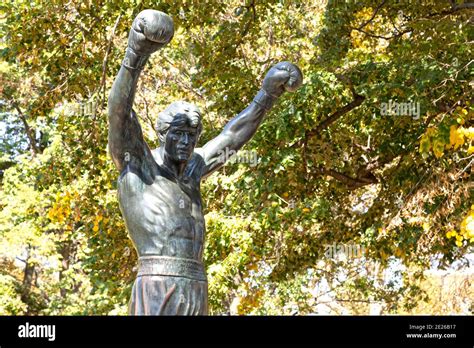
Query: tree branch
x=398 y=34
x=358 y=99
x=352 y=183
x=28 y=130
x=454 y=8
x=373 y=15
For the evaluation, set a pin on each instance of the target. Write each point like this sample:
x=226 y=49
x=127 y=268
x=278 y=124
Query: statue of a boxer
x=159 y=190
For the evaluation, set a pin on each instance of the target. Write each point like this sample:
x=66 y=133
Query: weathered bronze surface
x=159 y=190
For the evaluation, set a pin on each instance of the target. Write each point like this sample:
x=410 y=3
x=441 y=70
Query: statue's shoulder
x=198 y=154
x=196 y=163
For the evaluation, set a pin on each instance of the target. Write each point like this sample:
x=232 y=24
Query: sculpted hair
x=178 y=112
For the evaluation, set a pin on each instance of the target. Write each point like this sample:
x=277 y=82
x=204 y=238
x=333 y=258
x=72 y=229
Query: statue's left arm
x=282 y=76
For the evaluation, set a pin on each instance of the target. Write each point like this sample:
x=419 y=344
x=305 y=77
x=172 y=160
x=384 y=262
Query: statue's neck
x=176 y=168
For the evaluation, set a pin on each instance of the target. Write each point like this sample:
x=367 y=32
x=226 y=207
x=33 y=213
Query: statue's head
x=178 y=128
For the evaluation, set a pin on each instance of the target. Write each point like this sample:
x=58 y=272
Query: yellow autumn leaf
x=51 y=214
x=438 y=148
x=456 y=138
x=398 y=252
x=425 y=144
x=466 y=132
x=252 y=267
x=467 y=226
x=398 y=92
x=430 y=131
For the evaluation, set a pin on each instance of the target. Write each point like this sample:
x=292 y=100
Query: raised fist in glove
x=150 y=31
x=282 y=76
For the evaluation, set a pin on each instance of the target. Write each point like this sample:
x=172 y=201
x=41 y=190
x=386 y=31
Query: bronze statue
x=159 y=190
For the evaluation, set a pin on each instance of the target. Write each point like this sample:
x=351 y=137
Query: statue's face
x=180 y=142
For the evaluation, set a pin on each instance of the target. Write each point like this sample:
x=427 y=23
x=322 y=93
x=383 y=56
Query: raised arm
x=150 y=31
x=282 y=76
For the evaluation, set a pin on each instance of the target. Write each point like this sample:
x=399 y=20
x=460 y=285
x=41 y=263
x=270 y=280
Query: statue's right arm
x=126 y=143
x=150 y=31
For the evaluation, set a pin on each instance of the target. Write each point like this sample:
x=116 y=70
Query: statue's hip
x=169 y=286
x=171 y=266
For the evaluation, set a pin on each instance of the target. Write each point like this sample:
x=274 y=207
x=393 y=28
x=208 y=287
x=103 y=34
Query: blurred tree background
x=334 y=168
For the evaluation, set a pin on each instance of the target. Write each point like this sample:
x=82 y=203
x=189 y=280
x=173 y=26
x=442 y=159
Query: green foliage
x=329 y=171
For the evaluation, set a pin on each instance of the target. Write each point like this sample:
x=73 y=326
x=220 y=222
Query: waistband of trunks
x=171 y=266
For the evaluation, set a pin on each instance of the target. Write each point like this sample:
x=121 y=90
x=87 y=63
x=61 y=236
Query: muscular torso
x=164 y=217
